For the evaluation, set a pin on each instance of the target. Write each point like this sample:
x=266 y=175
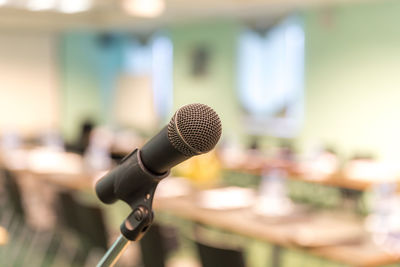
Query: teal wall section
x=218 y=88
x=89 y=72
x=353 y=78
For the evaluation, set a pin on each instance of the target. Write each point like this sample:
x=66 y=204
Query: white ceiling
x=108 y=14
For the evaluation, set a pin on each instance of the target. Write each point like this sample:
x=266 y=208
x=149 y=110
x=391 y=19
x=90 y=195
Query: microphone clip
x=137 y=223
x=134 y=184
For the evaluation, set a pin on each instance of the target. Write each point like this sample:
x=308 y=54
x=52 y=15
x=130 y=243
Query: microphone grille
x=194 y=129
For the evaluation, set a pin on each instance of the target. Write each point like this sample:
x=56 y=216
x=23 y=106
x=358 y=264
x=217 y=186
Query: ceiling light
x=144 y=8
x=3 y=2
x=75 y=6
x=37 y=5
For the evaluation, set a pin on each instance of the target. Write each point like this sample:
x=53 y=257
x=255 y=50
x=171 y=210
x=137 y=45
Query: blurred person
x=203 y=170
x=52 y=139
x=231 y=152
x=255 y=157
x=125 y=141
x=255 y=144
x=320 y=163
x=10 y=140
x=286 y=151
x=97 y=154
x=84 y=138
x=273 y=198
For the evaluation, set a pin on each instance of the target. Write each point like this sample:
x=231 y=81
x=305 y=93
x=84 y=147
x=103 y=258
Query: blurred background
x=307 y=169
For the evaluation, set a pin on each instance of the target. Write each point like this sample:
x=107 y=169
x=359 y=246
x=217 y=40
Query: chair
x=152 y=247
x=211 y=256
x=157 y=243
x=13 y=192
x=86 y=221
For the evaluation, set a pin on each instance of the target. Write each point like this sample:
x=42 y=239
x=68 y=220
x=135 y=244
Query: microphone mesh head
x=194 y=129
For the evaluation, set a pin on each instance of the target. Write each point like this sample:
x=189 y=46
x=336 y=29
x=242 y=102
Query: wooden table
x=67 y=171
x=366 y=254
x=244 y=222
x=39 y=180
x=338 y=178
x=3 y=236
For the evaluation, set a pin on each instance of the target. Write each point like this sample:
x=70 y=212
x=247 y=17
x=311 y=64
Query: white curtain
x=144 y=94
x=271 y=70
x=29 y=89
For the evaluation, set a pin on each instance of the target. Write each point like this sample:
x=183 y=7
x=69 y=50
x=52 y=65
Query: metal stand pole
x=114 y=252
x=137 y=193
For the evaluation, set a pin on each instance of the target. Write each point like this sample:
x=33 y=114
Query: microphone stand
x=132 y=229
x=114 y=252
x=132 y=183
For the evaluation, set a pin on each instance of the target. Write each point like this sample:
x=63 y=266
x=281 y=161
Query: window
x=271 y=70
x=162 y=66
x=146 y=83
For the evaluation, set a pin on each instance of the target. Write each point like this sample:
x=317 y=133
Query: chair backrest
x=13 y=192
x=153 y=248
x=86 y=220
x=219 y=257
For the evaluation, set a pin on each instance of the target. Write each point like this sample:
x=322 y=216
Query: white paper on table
x=226 y=198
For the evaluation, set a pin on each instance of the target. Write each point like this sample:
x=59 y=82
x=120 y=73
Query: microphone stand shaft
x=114 y=252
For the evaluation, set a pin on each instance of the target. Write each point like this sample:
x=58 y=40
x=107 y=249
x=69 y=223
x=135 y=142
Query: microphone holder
x=132 y=229
x=133 y=183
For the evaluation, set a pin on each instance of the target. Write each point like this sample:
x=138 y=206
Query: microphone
x=193 y=130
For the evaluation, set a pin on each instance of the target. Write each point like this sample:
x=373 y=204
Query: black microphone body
x=193 y=130
x=130 y=181
x=140 y=170
x=159 y=155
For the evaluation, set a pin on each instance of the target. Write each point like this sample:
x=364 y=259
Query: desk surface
x=63 y=169
x=337 y=178
x=3 y=236
x=241 y=221
x=244 y=222
x=69 y=165
x=82 y=181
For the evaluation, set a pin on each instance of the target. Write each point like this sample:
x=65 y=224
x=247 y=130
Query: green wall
x=352 y=85
x=89 y=72
x=352 y=76
x=218 y=88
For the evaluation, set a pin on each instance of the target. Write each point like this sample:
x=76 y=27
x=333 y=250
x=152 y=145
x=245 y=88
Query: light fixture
x=38 y=5
x=3 y=2
x=144 y=8
x=74 y=6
